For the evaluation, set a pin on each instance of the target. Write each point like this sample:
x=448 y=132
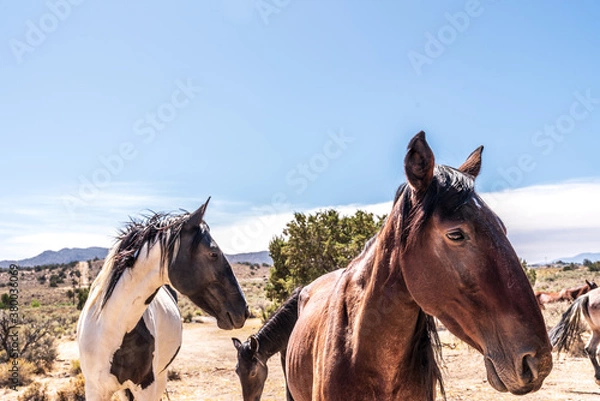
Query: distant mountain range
x=251 y=257
x=67 y=255
x=594 y=257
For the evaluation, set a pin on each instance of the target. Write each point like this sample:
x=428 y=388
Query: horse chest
x=133 y=360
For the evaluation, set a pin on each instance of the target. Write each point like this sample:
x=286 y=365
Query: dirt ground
x=207 y=360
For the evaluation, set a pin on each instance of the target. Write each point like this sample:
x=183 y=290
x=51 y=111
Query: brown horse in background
x=575 y=292
x=367 y=332
x=567 y=294
x=563 y=334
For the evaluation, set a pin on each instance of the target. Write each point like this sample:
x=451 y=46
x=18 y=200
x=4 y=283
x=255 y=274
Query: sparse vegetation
x=74 y=391
x=75 y=367
x=173 y=374
x=312 y=245
x=25 y=377
x=82 y=296
x=530 y=272
x=35 y=392
x=36 y=344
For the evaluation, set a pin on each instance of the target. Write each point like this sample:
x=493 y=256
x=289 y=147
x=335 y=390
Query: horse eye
x=456 y=236
x=213 y=255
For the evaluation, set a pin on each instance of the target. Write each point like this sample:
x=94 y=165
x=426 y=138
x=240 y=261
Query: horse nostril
x=529 y=370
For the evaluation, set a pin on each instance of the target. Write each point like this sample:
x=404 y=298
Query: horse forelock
x=449 y=190
x=162 y=229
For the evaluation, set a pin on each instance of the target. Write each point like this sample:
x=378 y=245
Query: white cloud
x=253 y=233
x=547 y=222
x=544 y=222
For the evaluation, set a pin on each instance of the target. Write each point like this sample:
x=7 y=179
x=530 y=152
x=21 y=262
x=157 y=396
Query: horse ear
x=419 y=163
x=254 y=344
x=195 y=218
x=236 y=343
x=472 y=165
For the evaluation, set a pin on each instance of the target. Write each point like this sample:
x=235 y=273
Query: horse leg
x=153 y=392
x=592 y=352
x=125 y=395
x=94 y=393
x=288 y=396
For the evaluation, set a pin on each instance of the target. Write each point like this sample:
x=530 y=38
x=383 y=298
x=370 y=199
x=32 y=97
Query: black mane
x=162 y=228
x=273 y=336
x=452 y=189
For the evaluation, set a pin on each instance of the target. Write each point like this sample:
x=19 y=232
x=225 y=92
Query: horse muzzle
x=229 y=320
x=525 y=375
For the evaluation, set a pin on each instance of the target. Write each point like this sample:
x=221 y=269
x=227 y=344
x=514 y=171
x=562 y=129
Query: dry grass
x=73 y=391
x=205 y=365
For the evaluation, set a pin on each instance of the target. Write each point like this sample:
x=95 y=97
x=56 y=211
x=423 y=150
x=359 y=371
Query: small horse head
x=251 y=370
x=591 y=284
x=460 y=267
x=201 y=272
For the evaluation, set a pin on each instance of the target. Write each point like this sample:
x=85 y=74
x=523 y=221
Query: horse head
x=251 y=369
x=459 y=266
x=201 y=272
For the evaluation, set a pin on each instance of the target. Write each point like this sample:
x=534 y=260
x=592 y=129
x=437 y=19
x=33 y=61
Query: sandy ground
x=207 y=360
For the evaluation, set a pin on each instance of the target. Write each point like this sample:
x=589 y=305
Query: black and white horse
x=130 y=330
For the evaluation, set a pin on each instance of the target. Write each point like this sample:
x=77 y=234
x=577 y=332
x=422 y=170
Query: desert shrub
x=35 y=303
x=35 y=342
x=74 y=391
x=594 y=267
x=35 y=392
x=25 y=375
x=82 y=296
x=173 y=375
x=530 y=272
x=314 y=244
x=75 y=367
x=4 y=301
x=42 y=354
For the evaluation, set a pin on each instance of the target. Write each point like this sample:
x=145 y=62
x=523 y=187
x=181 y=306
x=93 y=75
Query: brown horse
x=567 y=294
x=545 y=297
x=575 y=292
x=367 y=332
x=563 y=334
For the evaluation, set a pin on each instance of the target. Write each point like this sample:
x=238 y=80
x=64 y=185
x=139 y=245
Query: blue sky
x=275 y=106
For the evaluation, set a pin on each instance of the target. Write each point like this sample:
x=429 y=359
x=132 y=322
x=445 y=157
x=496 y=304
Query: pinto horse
x=563 y=334
x=254 y=353
x=129 y=330
x=367 y=332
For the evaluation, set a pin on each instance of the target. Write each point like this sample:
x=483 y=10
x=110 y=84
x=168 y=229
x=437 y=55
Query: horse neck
x=135 y=289
x=389 y=328
x=275 y=333
x=378 y=272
